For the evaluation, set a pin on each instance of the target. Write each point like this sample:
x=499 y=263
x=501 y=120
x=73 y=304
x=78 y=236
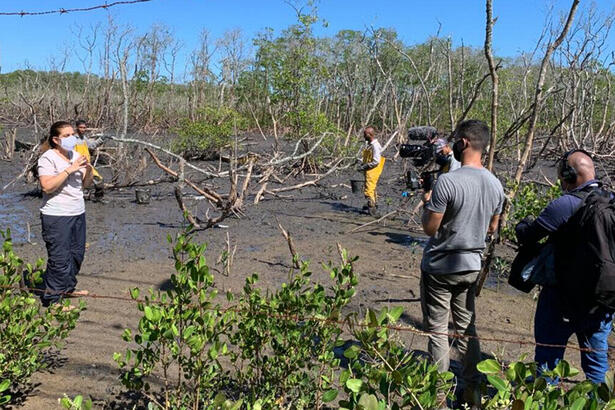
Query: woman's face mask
x=68 y=143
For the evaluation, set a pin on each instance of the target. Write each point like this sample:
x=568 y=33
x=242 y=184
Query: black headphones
x=568 y=173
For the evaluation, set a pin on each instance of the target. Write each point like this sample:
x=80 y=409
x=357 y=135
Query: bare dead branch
x=291 y=245
x=375 y=221
x=180 y=201
x=207 y=193
x=31 y=161
x=178 y=157
x=294 y=156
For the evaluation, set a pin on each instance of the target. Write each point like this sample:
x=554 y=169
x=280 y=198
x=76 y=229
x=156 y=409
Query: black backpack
x=585 y=255
x=525 y=255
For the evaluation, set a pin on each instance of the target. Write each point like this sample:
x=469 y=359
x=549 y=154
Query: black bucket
x=357 y=185
x=143 y=196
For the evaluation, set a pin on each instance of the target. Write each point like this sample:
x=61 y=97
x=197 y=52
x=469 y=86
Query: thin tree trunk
x=538 y=101
x=494 y=86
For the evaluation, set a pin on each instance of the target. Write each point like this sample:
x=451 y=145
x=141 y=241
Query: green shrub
x=281 y=348
x=530 y=200
x=383 y=374
x=309 y=123
x=78 y=403
x=28 y=330
x=210 y=132
x=284 y=341
x=181 y=328
x=277 y=346
x=518 y=386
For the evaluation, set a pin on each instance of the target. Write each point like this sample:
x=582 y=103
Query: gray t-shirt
x=468 y=197
x=68 y=199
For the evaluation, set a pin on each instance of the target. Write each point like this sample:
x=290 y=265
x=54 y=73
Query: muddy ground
x=128 y=248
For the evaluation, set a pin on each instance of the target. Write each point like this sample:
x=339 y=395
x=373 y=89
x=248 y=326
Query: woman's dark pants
x=64 y=237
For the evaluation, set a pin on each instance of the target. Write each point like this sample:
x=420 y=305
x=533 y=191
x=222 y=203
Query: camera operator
x=465 y=206
x=444 y=158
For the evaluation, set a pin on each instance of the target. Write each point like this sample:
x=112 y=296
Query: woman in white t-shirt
x=62 y=173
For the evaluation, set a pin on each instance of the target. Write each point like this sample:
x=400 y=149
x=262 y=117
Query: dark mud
x=127 y=248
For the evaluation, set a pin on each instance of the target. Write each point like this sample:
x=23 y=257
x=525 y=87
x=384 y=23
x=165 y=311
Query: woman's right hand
x=81 y=162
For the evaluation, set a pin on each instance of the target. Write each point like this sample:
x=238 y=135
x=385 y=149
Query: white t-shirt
x=68 y=199
x=376 y=153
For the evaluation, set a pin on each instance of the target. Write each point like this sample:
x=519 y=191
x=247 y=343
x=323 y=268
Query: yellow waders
x=82 y=148
x=371 y=176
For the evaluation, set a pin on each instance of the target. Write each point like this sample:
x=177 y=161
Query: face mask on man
x=68 y=143
x=457 y=150
x=442 y=159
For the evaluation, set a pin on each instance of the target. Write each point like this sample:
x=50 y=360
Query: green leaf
x=329 y=395
x=395 y=314
x=352 y=352
x=65 y=402
x=4 y=385
x=489 y=366
x=603 y=392
x=563 y=369
x=188 y=332
x=540 y=384
x=578 y=404
x=511 y=373
x=368 y=402
x=236 y=405
x=497 y=382
x=344 y=376
x=134 y=293
x=354 y=385
x=149 y=314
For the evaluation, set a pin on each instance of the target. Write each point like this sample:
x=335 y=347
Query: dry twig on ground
x=291 y=245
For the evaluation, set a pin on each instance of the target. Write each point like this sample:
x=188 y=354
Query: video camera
x=424 y=181
x=420 y=154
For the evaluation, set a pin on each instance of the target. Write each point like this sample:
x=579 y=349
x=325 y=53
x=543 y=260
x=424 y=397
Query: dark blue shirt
x=561 y=209
x=558 y=211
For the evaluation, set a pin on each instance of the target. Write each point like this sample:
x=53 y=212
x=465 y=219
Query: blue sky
x=38 y=39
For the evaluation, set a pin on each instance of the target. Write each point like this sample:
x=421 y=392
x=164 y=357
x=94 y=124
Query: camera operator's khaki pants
x=439 y=295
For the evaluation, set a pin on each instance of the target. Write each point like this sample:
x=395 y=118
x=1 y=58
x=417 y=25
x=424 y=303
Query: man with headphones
x=577 y=177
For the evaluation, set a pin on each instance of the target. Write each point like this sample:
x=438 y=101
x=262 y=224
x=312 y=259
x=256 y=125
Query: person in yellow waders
x=373 y=163
x=83 y=147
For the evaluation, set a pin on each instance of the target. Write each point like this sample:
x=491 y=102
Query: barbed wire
x=342 y=323
x=65 y=11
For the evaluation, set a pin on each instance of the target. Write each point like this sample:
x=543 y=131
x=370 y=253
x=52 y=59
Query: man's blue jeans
x=592 y=331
